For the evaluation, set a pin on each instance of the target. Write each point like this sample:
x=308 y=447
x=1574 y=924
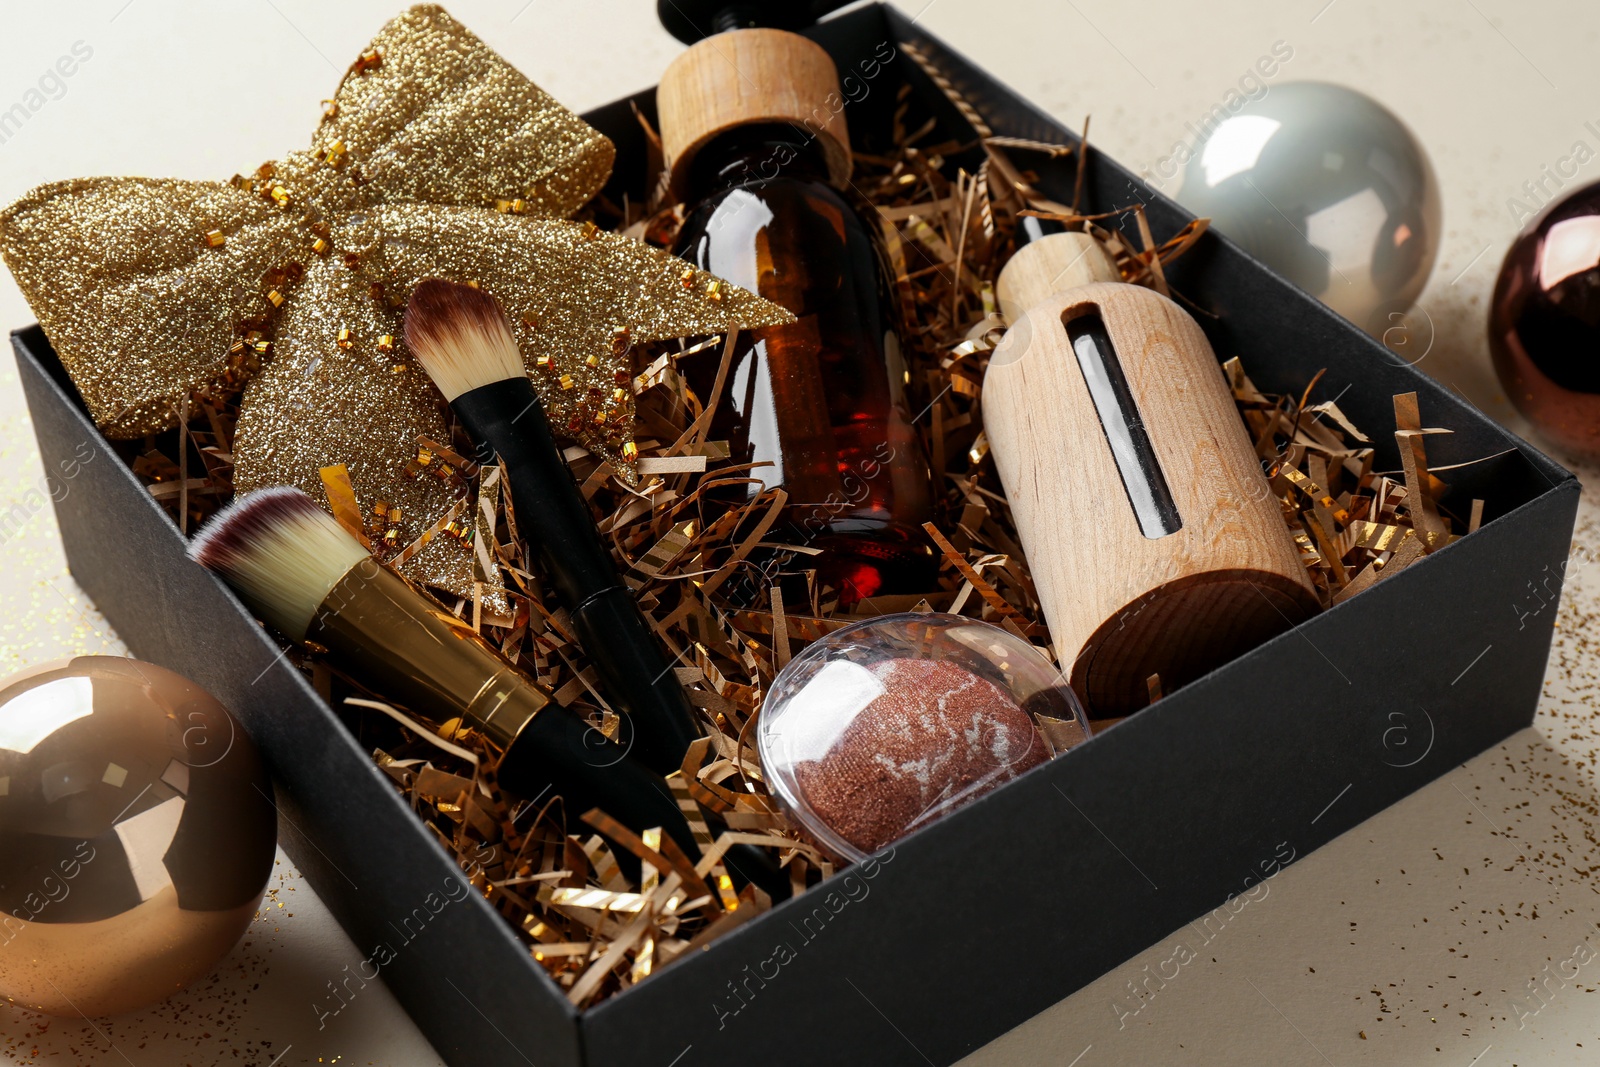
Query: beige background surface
x=1411 y=939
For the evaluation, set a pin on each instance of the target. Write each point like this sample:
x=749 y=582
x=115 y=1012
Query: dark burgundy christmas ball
x=1544 y=323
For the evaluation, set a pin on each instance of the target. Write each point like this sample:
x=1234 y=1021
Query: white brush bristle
x=281 y=552
x=461 y=337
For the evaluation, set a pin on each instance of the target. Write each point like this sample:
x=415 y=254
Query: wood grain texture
x=746 y=76
x=1052 y=264
x=1121 y=606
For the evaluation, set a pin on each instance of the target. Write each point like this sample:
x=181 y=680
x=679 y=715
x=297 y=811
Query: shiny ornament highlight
x=1327 y=187
x=137 y=832
x=1544 y=323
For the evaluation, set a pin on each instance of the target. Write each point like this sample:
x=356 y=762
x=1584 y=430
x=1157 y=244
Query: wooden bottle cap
x=1050 y=265
x=747 y=76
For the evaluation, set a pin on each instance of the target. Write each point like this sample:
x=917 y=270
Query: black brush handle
x=559 y=752
x=505 y=419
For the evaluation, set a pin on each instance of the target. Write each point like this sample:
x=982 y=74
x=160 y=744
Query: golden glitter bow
x=435 y=157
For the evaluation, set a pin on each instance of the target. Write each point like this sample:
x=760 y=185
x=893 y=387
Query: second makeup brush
x=463 y=340
x=302 y=572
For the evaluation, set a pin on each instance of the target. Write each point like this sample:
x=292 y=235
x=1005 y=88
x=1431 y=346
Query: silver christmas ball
x=1326 y=186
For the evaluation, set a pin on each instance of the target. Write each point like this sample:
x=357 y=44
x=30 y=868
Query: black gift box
x=978 y=922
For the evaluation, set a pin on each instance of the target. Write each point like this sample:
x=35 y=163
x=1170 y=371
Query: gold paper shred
x=650 y=839
x=724 y=883
x=615 y=954
x=780 y=628
x=1044 y=147
x=1322 y=526
x=428 y=450
x=1332 y=411
x=970 y=347
x=409 y=552
x=644 y=960
x=424 y=734
x=964 y=386
x=1151 y=259
x=342 y=501
x=162 y=491
x=672 y=465
x=604 y=864
x=777 y=499
x=1411 y=549
x=688 y=442
x=681 y=864
x=1376 y=536
x=728 y=840
x=432 y=783
x=923 y=210
x=805 y=628
x=665 y=552
x=947 y=87
x=1059 y=734
x=984 y=589
x=563 y=948
x=1409 y=436
x=651 y=855
x=691 y=810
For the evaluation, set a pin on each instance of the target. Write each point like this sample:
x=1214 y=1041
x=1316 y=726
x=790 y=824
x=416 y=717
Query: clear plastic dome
x=885 y=726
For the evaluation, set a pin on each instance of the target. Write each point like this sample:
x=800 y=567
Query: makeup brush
x=302 y=573
x=463 y=340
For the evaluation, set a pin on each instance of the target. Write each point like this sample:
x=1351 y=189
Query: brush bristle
x=461 y=337
x=281 y=553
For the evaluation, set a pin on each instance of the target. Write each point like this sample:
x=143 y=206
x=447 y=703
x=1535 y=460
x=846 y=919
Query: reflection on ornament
x=1544 y=322
x=1330 y=189
x=137 y=830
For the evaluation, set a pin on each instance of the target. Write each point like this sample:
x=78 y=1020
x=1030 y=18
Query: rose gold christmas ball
x=137 y=831
x=1544 y=323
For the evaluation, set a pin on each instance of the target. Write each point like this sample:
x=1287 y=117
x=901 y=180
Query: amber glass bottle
x=822 y=400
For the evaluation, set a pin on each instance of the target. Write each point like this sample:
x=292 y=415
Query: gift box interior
x=984 y=919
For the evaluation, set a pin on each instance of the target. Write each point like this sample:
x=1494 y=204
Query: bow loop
x=144 y=286
x=428 y=113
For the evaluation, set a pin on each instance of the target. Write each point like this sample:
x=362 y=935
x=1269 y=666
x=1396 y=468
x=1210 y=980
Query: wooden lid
x=747 y=76
x=1182 y=630
x=1049 y=265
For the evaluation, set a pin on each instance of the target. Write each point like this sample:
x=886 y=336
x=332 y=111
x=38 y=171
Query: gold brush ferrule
x=392 y=636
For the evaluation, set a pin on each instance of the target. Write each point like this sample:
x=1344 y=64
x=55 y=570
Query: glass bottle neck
x=755 y=154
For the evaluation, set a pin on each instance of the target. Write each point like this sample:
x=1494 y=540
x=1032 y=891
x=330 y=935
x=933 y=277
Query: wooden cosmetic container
x=1156 y=544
